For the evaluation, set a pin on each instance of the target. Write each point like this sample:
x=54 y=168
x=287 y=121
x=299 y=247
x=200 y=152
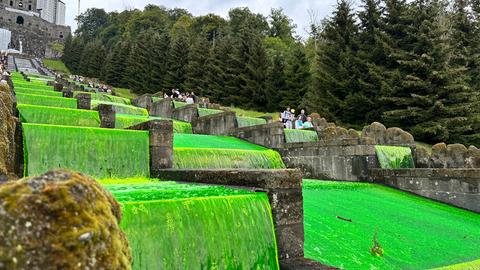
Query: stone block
x=107 y=115
x=84 y=101
x=162 y=108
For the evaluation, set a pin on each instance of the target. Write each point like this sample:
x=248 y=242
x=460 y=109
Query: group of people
x=102 y=88
x=292 y=121
x=189 y=98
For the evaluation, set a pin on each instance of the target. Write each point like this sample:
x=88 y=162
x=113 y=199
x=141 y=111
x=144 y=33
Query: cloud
x=295 y=9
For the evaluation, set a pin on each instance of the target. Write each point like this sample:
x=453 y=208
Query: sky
x=295 y=9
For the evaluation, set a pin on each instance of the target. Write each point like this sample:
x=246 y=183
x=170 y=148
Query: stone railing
x=458 y=187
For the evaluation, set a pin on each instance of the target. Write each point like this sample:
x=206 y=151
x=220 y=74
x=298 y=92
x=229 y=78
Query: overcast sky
x=295 y=9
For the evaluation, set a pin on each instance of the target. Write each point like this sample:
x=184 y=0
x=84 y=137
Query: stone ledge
x=303 y=264
x=428 y=172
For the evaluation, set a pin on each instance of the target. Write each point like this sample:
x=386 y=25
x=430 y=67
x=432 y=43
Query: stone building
x=33 y=24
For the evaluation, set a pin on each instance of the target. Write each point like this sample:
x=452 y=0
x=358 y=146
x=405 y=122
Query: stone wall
x=186 y=113
x=7 y=132
x=335 y=160
x=268 y=135
x=162 y=108
x=284 y=190
x=448 y=156
x=458 y=187
x=215 y=124
x=35 y=33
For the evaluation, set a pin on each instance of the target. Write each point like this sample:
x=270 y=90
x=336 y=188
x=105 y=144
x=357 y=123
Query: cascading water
x=298 y=135
x=20 y=90
x=46 y=101
x=342 y=219
x=220 y=152
x=205 y=112
x=394 y=157
x=250 y=121
x=97 y=152
x=105 y=97
x=124 y=121
x=58 y=116
x=121 y=108
x=180 y=226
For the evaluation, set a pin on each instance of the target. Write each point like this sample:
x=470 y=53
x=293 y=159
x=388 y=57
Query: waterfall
x=46 y=101
x=298 y=135
x=97 y=152
x=394 y=157
x=250 y=121
x=186 y=226
x=58 y=116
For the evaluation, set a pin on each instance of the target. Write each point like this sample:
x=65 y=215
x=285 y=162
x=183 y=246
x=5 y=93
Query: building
x=34 y=24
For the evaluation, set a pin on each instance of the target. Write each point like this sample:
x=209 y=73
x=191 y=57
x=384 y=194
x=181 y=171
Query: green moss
x=60 y=220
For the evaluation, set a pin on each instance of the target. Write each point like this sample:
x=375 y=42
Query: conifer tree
x=297 y=74
x=159 y=52
x=178 y=61
x=198 y=66
x=92 y=59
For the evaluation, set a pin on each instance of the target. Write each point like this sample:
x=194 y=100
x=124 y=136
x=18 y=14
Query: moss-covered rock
x=377 y=131
x=7 y=131
x=60 y=220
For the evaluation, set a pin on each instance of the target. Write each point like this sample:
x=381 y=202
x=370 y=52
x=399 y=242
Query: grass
x=56 y=65
x=125 y=93
x=248 y=113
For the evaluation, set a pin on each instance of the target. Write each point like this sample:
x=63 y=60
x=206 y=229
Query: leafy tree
x=91 y=22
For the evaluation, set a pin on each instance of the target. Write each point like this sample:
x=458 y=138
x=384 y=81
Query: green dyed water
x=20 y=90
x=122 y=108
x=125 y=121
x=97 y=152
x=221 y=152
x=414 y=232
x=298 y=135
x=58 y=116
x=250 y=121
x=394 y=157
x=205 y=112
x=178 y=104
x=33 y=85
x=180 y=226
x=46 y=101
x=105 y=97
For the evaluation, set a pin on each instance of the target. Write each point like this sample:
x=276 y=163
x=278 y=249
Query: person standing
x=303 y=115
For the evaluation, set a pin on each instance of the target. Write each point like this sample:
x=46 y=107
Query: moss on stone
x=60 y=220
x=7 y=131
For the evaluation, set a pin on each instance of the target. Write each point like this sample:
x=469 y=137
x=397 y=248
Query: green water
x=97 y=152
x=32 y=85
x=125 y=121
x=105 y=97
x=221 y=152
x=178 y=104
x=122 y=108
x=205 y=112
x=46 y=101
x=250 y=121
x=186 y=226
x=58 y=116
x=298 y=135
x=414 y=232
x=20 y=90
x=394 y=157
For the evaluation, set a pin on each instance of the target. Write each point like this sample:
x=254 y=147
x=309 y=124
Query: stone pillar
x=84 y=101
x=162 y=108
x=58 y=87
x=107 y=115
x=144 y=101
x=215 y=124
x=67 y=93
x=161 y=144
x=186 y=113
x=269 y=135
x=51 y=83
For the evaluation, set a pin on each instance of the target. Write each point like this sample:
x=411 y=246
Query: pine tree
x=177 y=62
x=139 y=65
x=116 y=63
x=198 y=66
x=159 y=57
x=92 y=59
x=334 y=76
x=297 y=73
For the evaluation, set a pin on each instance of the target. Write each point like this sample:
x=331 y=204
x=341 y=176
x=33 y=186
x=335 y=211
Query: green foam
x=46 y=101
x=97 y=152
x=414 y=232
x=205 y=112
x=19 y=90
x=210 y=158
x=124 y=121
x=58 y=116
x=298 y=135
x=186 y=226
x=394 y=157
x=250 y=121
x=122 y=108
x=210 y=141
x=105 y=97
x=39 y=86
x=178 y=104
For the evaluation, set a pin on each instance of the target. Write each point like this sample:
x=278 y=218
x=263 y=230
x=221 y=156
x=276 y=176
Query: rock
x=376 y=131
x=472 y=159
x=60 y=220
x=398 y=136
x=438 y=159
x=353 y=134
x=321 y=123
x=422 y=158
x=7 y=131
x=456 y=154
